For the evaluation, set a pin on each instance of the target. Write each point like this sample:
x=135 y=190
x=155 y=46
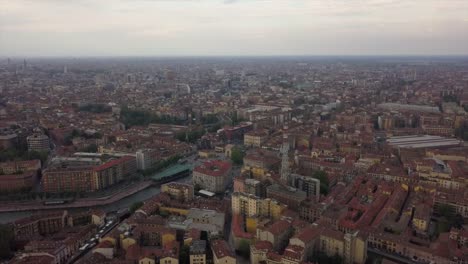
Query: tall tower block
x=285 y=172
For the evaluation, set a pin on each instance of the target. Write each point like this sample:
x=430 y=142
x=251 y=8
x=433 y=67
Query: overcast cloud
x=232 y=27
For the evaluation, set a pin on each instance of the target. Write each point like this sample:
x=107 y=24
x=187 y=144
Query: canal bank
x=79 y=203
x=125 y=202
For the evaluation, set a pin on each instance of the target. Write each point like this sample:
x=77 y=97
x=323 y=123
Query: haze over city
x=233 y=132
x=232 y=27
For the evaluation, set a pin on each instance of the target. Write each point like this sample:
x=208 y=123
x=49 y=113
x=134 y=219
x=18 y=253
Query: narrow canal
x=121 y=204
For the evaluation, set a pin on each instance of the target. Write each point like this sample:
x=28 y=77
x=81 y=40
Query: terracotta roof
x=258 y=156
x=213 y=168
x=293 y=252
x=308 y=234
x=133 y=252
x=279 y=227
x=193 y=233
x=105 y=244
x=274 y=256
x=237 y=228
x=333 y=234
x=113 y=163
x=258 y=132
x=150 y=252
x=298 y=223
x=33 y=260
x=263 y=245
x=144 y=229
x=221 y=249
x=40 y=216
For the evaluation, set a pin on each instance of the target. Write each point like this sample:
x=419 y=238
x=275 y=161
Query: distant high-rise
x=143 y=158
x=285 y=157
x=25 y=65
x=311 y=186
x=65 y=69
x=38 y=142
x=198 y=252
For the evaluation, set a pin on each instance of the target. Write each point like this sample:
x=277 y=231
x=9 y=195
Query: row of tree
x=209 y=119
x=12 y=154
x=237 y=156
x=324 y=183
x=6 y=241
x=190 y=136
x=448 y=219
x=139 y=117
x=161 y=165
x=321 y=257
x=95 y=108
x=93 y=148
x=462 y=131
x=135 y=206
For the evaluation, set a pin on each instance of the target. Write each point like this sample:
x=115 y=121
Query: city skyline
x=232 y=28
x=278 y=160
x=233 y=131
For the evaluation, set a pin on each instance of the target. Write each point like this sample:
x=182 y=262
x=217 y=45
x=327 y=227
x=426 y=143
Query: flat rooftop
x=290 y=191
x=178 y=168
x=198 y=246
x=409 y=107
x=422 y=141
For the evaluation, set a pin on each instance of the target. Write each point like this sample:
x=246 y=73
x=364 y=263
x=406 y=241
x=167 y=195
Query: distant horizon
x=235 y=28
x=239 y=56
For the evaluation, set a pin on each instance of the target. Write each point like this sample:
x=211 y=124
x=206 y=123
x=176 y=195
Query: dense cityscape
x=276 y=160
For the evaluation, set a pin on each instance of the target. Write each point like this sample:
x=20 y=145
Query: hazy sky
x=232 y=27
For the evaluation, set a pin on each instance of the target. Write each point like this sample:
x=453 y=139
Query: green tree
x=450 y=98
x=448 y=219
x=91 y=148
x=75 y=133
x=209 y=119
x=111 y=139
x=164 y=214
x=446 y=211
x=237 y=156
x=135 y=206
x=215 y=127
x=244 y=248
x=321 y=257
x=190 y=136
x=336 y=259
x=319 y=132
x=6 y=241
x=324 y=184
x=161 y=165
x=9 y=154
x=443 y=225
x=462 y=131
x=139 y=117
x=95 y=108
x=184 y=254
x=40 y=155
x=236 y=119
